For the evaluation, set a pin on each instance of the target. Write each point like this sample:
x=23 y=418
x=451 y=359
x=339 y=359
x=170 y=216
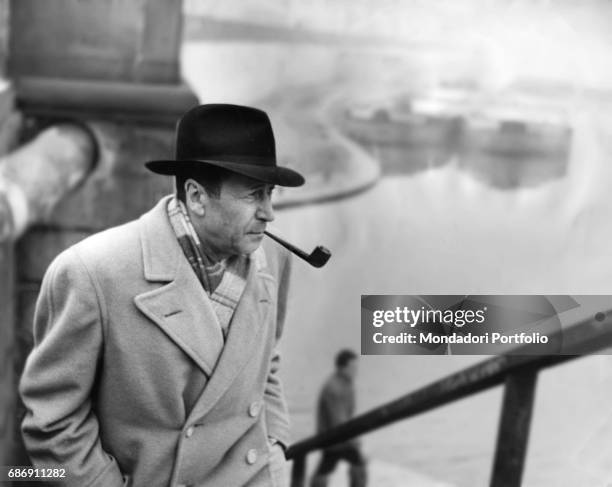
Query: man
x=336 y=406
x=154 y=359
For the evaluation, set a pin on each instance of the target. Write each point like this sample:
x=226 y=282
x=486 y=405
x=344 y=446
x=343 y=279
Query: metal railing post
x=513 y=433
x=298 y=471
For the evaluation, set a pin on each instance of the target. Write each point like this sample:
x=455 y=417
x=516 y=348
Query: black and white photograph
x=283 y=243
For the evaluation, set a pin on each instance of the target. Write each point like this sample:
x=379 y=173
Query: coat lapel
x=181 y=307
x=183 y=311
x=245 y=329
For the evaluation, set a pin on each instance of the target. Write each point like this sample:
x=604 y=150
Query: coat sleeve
x=277 y=415
x=60 y=428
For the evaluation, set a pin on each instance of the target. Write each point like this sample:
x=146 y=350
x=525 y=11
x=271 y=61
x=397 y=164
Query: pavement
x=382 y=474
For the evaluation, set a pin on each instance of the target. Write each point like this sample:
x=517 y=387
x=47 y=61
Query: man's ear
x=196 y=197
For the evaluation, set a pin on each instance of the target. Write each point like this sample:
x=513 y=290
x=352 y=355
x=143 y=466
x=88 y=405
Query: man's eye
x=260 y=193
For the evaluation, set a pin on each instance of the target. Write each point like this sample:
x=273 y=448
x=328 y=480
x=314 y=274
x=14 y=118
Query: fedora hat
x=236 y=138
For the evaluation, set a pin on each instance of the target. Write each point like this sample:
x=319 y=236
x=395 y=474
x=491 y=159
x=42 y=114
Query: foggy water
x=438 y=231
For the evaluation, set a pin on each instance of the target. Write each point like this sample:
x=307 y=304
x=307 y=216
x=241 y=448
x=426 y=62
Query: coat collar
x=182 y=309
x=161 y=252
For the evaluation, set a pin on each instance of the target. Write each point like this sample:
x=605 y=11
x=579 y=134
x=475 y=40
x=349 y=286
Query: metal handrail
x=517 y=370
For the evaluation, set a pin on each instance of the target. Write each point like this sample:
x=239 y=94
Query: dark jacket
x=336 y=404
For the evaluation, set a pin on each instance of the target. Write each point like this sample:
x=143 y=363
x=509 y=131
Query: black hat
x=237 y=138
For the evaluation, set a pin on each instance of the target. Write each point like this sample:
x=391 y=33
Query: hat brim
x=277 y=175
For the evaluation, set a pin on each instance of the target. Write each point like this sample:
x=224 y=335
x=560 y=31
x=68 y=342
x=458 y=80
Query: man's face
x=233 y=223
x=350 y=369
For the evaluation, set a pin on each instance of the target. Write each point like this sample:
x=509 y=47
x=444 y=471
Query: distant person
x=336 y=406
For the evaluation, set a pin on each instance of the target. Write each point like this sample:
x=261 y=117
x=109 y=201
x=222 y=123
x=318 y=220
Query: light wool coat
x=129 y=381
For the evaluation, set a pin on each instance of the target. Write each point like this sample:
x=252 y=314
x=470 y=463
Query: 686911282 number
x=16 y=473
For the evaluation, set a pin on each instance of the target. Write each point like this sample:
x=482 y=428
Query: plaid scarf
x=223 y=281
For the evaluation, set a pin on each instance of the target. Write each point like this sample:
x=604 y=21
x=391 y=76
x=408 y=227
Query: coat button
x=251 y=457
x=189 y=432
x=254 y=408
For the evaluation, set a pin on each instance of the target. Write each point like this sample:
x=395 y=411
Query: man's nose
x=265 y=211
